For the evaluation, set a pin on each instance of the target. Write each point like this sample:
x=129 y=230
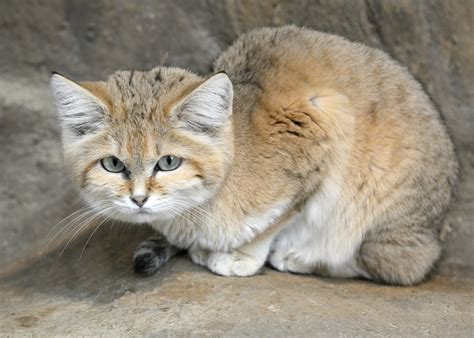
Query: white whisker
x=71 y=223
x=84 y=224
x=92 y=234
x=69 y=216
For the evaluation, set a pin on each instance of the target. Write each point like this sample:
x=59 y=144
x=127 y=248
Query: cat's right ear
x=80 y=112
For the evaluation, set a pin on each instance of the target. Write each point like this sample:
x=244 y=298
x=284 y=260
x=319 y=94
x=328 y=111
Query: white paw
x=279 y=261
x=233 y=264
x=287 y=261
x=199 y=256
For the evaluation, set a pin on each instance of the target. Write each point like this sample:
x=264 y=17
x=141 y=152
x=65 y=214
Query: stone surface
x=99 y=294
x=88 y=40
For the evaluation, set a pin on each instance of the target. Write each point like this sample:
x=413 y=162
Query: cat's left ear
x=80 y=112
x=208 y=107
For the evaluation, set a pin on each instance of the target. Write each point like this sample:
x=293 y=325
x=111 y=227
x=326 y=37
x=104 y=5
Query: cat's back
x=274 y=67
x=289 y=58
x=396 y=128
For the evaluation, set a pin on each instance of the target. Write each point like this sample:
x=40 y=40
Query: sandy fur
x=330 y=158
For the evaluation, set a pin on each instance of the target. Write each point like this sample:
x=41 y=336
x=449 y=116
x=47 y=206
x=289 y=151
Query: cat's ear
x=208 y=107
x=80 y=111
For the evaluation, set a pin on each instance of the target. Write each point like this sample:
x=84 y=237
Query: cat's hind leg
x=301 y=248
x=399 y=256
x=151 y=254
x=286 y=259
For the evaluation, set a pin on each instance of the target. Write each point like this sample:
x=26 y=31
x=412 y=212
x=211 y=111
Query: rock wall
x=88 y=40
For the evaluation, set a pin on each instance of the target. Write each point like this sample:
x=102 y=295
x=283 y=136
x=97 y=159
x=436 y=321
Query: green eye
x=112 y=164
x=168 y=163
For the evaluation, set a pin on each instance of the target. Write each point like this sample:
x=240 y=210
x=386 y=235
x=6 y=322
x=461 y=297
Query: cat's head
x=145 y=146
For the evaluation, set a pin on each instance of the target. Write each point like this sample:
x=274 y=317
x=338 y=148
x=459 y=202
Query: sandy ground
x=99 y=294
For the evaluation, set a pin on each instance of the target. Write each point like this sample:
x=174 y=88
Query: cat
x=304 y=150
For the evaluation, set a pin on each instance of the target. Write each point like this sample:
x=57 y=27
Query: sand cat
x=303 y=150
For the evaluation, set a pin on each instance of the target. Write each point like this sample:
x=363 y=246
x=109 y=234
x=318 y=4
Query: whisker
x=79 y=217
x=80 y=228
x=197 y=211
x=195 y=207
x=112 y=226
x=77 y=229
x=72 y=214
x=66 y=218
x=92 y=234
x=70 y=224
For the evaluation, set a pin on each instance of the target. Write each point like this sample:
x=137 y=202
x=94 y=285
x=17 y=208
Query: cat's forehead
x=139 y=98
x=157 y=85
x=138 y=146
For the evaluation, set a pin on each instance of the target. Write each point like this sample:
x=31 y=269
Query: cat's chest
x=219 y=230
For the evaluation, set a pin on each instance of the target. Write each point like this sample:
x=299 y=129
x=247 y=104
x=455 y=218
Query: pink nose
x=139 y=200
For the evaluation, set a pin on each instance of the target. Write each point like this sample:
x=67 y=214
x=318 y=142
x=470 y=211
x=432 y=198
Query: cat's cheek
x=191 y=189
x=110 y=183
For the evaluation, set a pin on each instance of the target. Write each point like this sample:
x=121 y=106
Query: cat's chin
x=142 y=217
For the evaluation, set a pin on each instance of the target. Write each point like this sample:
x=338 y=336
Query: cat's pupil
x=114 y=161
x=168 y=163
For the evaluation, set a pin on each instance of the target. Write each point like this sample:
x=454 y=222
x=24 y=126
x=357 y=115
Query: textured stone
x=99 y=294
x=88 y=40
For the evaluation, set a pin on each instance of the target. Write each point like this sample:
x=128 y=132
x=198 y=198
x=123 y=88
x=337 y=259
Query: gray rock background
x=90 y=39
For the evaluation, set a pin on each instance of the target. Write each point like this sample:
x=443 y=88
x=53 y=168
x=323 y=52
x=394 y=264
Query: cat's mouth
x=145 y=214
x=139 y=211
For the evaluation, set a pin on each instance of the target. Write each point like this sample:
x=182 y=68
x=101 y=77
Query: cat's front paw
x=287 y=261
x=233 y=264
x=199 y=256
x=151 y=254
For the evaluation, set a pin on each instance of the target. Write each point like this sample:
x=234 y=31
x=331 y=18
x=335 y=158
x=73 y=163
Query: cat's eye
x=168 y=163
x=112 y=164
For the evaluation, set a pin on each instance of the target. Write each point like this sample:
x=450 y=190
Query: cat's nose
x=139 y=200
